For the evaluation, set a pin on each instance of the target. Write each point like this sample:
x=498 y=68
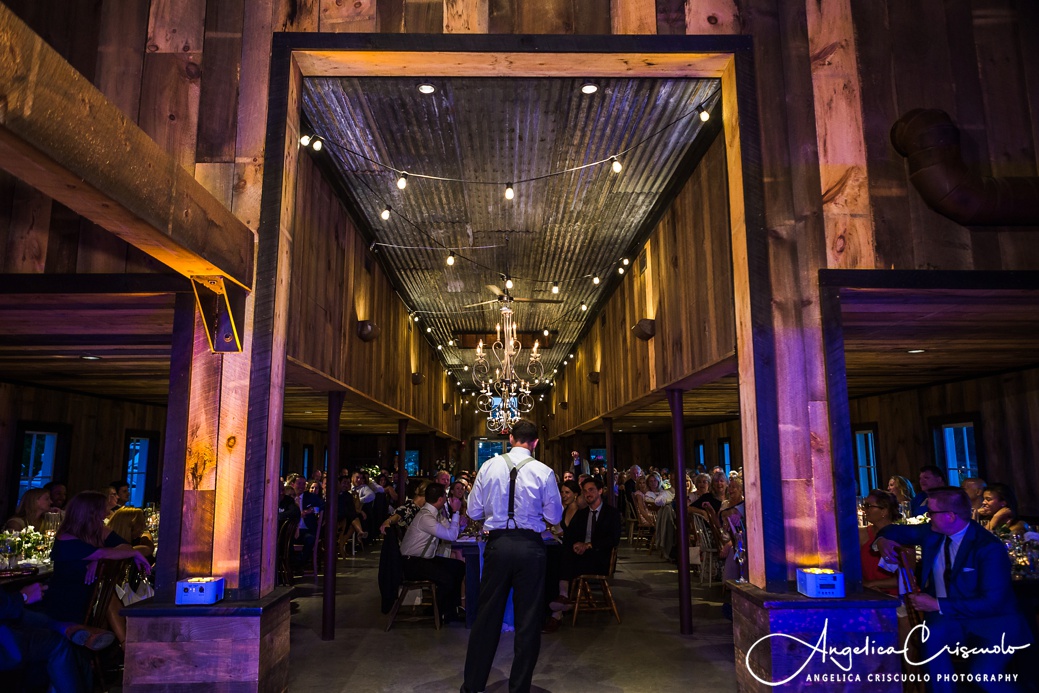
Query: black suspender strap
x=512 y=491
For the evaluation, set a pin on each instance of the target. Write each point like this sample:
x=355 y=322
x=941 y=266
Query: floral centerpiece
x=32 y=545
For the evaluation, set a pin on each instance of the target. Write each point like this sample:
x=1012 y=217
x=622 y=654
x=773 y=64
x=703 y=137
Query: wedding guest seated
x=35 y=503
x=130 y=524
x=975 y=489
x=58 y=494
x=568 y=493
x=656 y=495
x=901 y=488
x=967 y=598
x=587 y=546
x=347 y=512
x=405 y=514
x=43 y=646
x=999 y=509
x=880 y=509
x=420 y=547
x=719 y=483
x=81 y=541
x=931 y=477
x=122 y=493
x=288 y=511
x=458 y=490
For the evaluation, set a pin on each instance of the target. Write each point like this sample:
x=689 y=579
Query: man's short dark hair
x=435 y=492
x=936 y=470
x=592 y=480
x=951 y=498
x=51 y=484
x=524 y=431
x=119 y=484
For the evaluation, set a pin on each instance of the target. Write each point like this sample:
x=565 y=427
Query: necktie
x=591 y=526
x=947 y=573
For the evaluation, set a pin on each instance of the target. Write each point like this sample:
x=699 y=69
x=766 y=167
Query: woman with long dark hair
x=81 y=541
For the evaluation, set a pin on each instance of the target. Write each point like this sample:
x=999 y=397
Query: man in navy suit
x=967 y=597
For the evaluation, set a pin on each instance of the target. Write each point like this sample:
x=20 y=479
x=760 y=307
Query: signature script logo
x=843 y=657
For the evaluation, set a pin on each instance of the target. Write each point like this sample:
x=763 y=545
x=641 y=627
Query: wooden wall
x=1007 y=407
x=976 y=60
x=98 y=432
x=683 y=279
x=337 y=283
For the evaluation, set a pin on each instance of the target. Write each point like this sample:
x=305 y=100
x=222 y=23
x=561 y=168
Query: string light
x=450 y=342
x=385 y=213
x=305 y=140
x=620 y=270
x=596 y=280
x=616 y=164
x=402 y=182
x=450 y=259
x=509 y=192
x=545 y=333
x=555 y=287
x=316 y=146
x=704 y=114
x=416 y=318
x=624 y=261
x=508 y=283
x=584 y=306
x=429 y=329
x=440 y=347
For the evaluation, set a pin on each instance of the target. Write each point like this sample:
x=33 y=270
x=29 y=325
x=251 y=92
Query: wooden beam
x=110 y=172
x=102 y=284
x=328 y=593
x=965 y=280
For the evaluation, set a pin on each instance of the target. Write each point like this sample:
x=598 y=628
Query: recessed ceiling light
x=589 y=88
x=916 y=351
x=426 y=88
x=308 y=412
x=90 y=357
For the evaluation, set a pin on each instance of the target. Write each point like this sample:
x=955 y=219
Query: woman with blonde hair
x=34 y=505
x=901 y=488
x=129 y=523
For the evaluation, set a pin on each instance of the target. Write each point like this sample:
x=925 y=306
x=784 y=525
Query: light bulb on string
x=509 y=192
x=595 y=280
x=624 y=261
x=620 y=270
x=555 y=287
x=704 y=115
x=385 y=214
x=617 y=167
x=402 y=182
x=316 y=145
x=416 y=318
x=429 y=329
x=546 y=333
x=450 y=259
x=584 y=306
x=508 y=283
x=305 y=140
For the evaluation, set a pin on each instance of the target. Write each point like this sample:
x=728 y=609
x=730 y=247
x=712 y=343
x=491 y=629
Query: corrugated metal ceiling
x=559 y=228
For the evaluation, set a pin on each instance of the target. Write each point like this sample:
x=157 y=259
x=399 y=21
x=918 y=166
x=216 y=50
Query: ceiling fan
x=506 y=297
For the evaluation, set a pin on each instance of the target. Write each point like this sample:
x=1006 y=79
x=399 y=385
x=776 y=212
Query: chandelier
x=505 y=396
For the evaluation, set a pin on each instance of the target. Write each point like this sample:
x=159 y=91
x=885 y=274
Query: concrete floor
x=644 y=653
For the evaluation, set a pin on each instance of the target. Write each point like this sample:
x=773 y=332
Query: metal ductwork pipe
x=931 y=142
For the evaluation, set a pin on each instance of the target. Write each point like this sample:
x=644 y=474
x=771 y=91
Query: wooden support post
x=611 y=449
x=328 y=610
x=402 y=471
x=685 y=603
x=172 y=500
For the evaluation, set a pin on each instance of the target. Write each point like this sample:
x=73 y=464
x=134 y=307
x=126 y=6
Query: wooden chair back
x=109 y=574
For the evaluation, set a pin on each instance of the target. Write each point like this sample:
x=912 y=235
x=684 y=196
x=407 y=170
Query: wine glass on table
x=6 y=554
x=740 y=548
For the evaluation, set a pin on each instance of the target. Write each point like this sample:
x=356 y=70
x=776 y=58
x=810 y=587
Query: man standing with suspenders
x=515 y=495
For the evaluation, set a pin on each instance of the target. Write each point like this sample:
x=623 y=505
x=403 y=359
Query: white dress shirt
x=365 y=493
x=536 y=500
x=425 y=532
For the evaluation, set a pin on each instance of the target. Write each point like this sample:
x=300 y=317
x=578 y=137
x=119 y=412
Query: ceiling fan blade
x=494 y=289
x=481 y=303
x=537 y=300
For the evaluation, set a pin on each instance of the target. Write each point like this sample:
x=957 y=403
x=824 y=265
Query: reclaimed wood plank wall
x=98 y=431
x=1006 y=429
x=683 y=280
x=337 y=284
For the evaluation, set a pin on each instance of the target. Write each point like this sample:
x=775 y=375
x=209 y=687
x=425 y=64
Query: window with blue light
x=865 y=459
x=956 y=450
x=308 y=460
x=486 y=449
x=39 y=449
x=699 y=457
x=725 y=455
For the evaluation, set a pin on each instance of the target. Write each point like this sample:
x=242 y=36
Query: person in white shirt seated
x=419 y=550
